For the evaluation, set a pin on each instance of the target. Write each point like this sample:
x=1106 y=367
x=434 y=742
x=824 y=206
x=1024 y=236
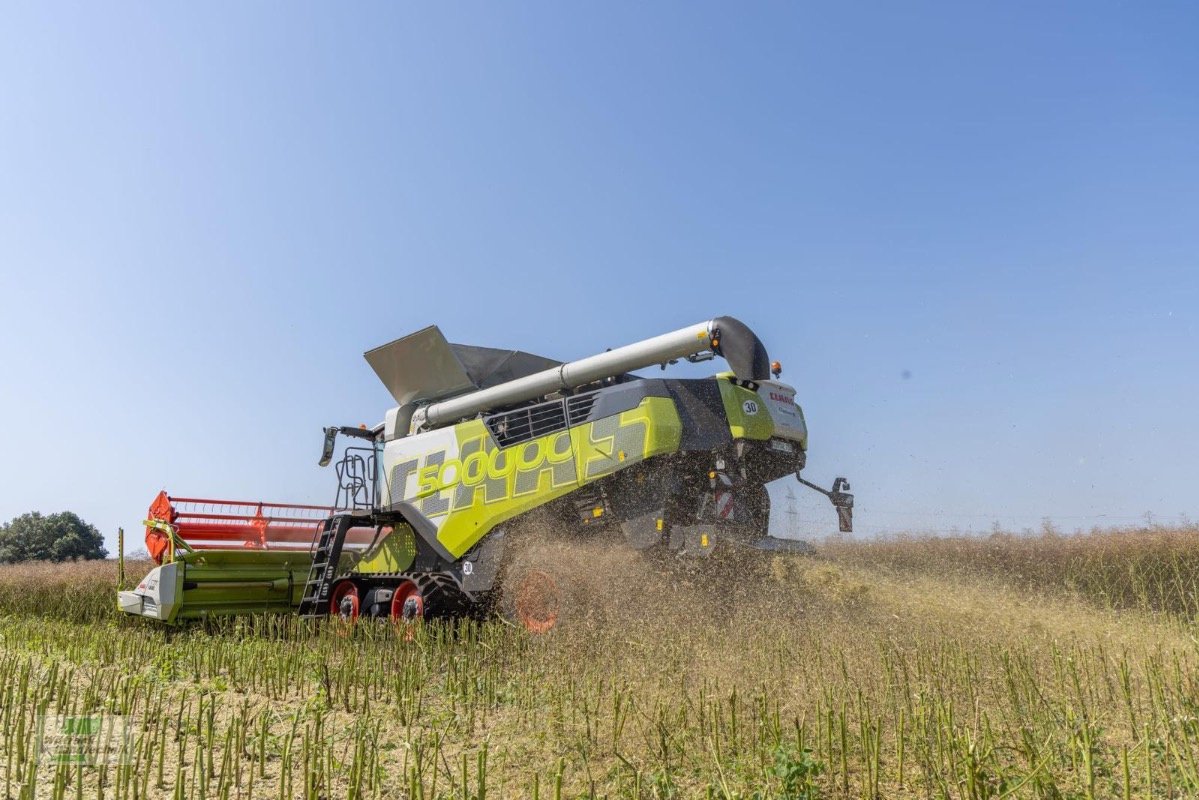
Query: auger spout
x=723 y=336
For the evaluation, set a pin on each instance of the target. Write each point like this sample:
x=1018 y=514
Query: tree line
x=52 y=537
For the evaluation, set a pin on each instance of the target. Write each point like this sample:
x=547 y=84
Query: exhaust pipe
x=723 y=336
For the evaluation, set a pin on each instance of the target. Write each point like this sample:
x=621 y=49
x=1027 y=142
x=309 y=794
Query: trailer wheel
x=345 y=601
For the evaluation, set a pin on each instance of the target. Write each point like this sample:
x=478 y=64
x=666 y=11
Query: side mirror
x=327 y=450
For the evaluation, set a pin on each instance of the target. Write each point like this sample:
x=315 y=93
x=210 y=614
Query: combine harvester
x=485 y=450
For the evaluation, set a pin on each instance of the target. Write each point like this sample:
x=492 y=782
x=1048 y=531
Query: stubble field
x=1042 y=667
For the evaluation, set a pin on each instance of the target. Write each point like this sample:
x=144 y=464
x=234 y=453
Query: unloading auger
x=482 y=444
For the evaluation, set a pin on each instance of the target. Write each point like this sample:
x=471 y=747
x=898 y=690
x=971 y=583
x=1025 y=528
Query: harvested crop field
x=1039 y=667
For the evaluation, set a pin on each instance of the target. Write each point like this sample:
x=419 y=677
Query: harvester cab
x=486 y=447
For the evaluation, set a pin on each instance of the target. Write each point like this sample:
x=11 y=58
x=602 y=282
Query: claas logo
x=484 y=473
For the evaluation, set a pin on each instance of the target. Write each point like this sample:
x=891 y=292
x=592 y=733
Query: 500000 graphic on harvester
x=486 y=450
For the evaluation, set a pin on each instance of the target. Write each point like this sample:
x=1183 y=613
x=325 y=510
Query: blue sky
x=207 y=213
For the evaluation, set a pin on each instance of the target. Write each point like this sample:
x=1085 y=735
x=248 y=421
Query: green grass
x=919 y=672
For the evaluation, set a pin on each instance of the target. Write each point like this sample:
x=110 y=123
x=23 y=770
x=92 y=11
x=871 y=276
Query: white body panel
x=411 y=450
x=156 y=596
x=779 y=400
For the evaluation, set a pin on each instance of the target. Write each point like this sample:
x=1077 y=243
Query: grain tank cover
x=419 y=366
x=424 y=366
x=490 y=366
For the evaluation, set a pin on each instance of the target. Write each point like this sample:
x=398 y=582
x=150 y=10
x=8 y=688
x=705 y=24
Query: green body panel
x=213 y=583
x=738 y=401
x=803 y=440
x=606 y=445
x=395 y=552
x=511 y=481
x=232 y=582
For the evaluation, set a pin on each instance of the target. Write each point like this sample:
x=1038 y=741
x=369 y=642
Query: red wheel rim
x=407 y=604
x=344 y=590
x=538 y=601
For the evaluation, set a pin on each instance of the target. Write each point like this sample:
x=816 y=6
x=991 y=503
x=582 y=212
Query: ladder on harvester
x=325 y=557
